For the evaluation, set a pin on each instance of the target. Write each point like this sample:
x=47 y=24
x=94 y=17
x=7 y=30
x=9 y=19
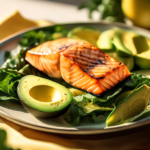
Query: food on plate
x=75 y=92
x=105 y=40
x=79 y=63
x=145 y=73
x=126 y=44
x=96 y=83
x=128 y=61
x=85 y=33
x=143 y=60
x=42 y=97
x=46 y=57
x=123 y=42
x=131 y=106
x=122 y=96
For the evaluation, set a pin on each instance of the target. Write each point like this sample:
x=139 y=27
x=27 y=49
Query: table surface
x=45 y=9
x=60 y=13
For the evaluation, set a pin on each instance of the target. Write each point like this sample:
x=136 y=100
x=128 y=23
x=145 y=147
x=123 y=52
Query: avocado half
x=42 y=97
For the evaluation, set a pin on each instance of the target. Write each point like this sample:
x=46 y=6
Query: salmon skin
x=79 y=63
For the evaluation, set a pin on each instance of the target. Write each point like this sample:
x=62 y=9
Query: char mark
x=64 y=47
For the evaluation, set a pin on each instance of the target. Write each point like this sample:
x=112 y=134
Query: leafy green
x=9 y=80
x=36 y=37
x=84 y=107
x=3 y=136
x=15 y=59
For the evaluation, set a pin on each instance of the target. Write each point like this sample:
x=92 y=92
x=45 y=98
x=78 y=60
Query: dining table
x=49 y=12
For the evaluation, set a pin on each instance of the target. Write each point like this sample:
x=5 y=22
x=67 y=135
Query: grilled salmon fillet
x=79 y=63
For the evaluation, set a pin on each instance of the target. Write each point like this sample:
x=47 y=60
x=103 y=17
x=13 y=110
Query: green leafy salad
x=116 y=104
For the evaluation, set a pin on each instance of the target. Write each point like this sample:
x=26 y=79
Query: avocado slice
x=129 y=43
x=128 y=61
x=42 y=97
x=143 y=60
x=134 y=104
x=123 y=42
x=122 y=96
x=105 y=39
x=85 y=33
x=144 y=114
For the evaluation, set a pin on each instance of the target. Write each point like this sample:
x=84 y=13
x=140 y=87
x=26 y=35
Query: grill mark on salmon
x=79 y=63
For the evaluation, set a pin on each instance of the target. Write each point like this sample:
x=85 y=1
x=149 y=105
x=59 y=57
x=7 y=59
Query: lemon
x=138 y=11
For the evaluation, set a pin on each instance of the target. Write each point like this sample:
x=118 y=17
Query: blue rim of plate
x=86 y=131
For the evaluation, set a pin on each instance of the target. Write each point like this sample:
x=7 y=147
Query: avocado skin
x=40 y=114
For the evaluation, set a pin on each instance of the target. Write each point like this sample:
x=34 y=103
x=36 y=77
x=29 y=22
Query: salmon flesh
x=79 y=63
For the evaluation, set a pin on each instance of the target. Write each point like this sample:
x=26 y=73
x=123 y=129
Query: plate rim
x=106 y=130
x=112 y=129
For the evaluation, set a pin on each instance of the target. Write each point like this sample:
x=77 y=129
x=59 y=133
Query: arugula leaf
x=76 y=114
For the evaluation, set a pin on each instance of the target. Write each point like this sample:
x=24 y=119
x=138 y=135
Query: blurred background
x=136 y=11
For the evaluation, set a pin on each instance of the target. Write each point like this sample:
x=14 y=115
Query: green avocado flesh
x=143 y=60
x=131 y=106
x=88 y=34
x=43 y=97
x=127 y=44
x=123 y=42
x=105 y=39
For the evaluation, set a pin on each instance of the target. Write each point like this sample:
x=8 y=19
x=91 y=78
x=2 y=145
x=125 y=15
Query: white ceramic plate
x=16 y=113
